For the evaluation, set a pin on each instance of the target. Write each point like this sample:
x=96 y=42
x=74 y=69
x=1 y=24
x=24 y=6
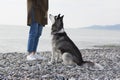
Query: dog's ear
x=62 y=17
x=58 y=15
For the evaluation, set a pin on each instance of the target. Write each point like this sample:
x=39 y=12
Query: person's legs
x=38 y=34
x=34 y=35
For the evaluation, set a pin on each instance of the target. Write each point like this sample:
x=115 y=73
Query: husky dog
x=63 y=45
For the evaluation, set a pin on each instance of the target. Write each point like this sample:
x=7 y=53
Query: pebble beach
x=14 y=66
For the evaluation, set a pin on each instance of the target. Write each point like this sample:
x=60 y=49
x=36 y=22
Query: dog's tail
x=95 y=65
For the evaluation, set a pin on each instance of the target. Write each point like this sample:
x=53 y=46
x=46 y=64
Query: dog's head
x=57 y=23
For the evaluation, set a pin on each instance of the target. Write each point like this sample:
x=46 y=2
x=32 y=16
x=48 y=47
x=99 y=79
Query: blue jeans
x=34 y=34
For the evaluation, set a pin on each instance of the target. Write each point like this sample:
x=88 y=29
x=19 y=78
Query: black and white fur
x=63 y=45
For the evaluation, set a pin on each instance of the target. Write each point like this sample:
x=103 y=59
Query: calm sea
x=14 y=38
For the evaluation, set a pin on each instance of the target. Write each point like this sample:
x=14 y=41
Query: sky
x=77 y=13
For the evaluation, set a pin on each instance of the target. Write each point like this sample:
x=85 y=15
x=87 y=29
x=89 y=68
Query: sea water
x=14 y=38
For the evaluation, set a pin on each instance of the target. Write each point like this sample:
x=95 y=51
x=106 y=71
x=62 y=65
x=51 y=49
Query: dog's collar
x=61 y=31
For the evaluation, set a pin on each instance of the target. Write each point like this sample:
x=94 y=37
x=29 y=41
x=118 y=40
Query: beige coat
x=40 y=8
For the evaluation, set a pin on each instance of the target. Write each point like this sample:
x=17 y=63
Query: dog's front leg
x=58 y=53
x=52 y=57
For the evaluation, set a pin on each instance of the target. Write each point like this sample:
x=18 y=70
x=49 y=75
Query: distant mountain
x=105 y=27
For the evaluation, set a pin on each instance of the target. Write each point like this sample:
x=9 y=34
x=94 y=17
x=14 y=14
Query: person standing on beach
x=36 y=18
